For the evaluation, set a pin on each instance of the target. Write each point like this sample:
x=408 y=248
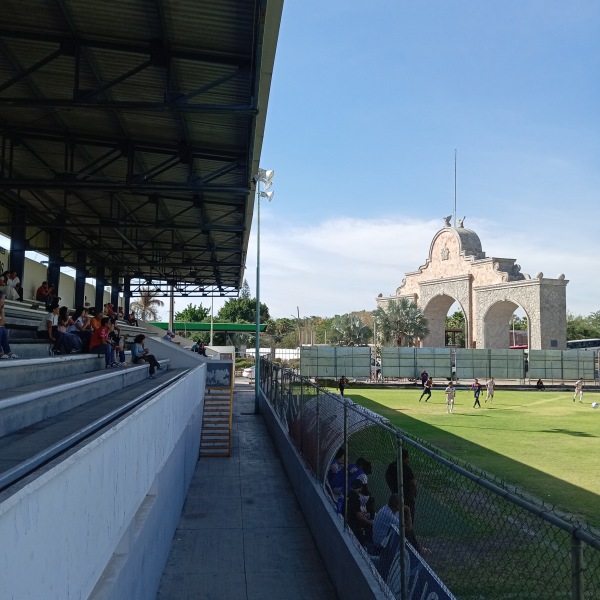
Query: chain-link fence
x=472 y=536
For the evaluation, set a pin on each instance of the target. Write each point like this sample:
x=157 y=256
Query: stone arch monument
x=488 y=290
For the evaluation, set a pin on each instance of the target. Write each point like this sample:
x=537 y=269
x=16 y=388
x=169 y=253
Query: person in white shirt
x=490 y=390
x=578 y=390
x=450 y=398
x=386 y=516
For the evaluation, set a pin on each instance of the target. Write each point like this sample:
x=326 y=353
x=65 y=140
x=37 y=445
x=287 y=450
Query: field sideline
x=542 y=442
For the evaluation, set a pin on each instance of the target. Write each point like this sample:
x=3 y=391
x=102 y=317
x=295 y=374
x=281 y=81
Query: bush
x=244 y=363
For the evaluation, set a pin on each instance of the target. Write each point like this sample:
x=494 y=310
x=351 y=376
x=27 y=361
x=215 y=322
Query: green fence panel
x=398 y=363
x=507 y=364
x=546 y=365
x=333 y=362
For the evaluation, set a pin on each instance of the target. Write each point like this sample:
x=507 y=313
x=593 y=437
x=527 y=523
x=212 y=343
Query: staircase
x=216 y=422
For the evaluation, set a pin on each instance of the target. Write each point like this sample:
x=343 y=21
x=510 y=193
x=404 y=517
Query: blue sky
x=368 y=102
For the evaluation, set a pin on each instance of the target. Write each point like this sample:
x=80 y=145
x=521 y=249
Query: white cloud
x=340 y=265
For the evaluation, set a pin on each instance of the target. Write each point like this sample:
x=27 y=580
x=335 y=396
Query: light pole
x=266 y=178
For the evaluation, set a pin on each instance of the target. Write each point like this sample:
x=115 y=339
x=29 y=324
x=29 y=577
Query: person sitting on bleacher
x=4 y=345
x=99 y=343
x=41 y=294
x=117 y=343
x=96 y=319
x=132 y=320
x=14 y=282
x=80 y=326
x=139 y=354
x=10 y=292
x=70 y=341
x=48 y=328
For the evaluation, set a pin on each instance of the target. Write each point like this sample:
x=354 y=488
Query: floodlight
x=267 y=195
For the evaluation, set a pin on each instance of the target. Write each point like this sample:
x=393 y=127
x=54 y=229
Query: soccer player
x=476 y=387
x=490 y=390
x=578 y=390
x=427 y=390
x=450 y=398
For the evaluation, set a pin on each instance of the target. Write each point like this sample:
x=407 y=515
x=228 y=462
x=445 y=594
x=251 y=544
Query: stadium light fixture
x=265 y=177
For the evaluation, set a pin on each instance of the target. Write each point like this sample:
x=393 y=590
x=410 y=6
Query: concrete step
x=37 y=401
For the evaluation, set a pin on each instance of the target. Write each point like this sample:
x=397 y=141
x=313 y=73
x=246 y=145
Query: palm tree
x=350 y=330
x=403 y=321
x=146 y=308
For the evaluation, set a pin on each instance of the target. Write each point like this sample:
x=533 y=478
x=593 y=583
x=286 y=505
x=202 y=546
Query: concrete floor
x=242 y=534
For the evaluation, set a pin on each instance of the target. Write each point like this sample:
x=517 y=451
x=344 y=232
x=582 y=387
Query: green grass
x=541 y=442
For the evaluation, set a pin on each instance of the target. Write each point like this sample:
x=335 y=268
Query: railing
x=486 y=540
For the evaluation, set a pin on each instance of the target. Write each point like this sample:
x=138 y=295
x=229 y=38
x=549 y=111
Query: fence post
x=318 y=423
x=346 y=463
x=576 y=567
x=402 y=546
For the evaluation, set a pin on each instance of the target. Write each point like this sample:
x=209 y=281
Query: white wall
x=83 y=523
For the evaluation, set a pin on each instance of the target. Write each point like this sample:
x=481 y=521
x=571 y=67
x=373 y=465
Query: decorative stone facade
x=488 y=290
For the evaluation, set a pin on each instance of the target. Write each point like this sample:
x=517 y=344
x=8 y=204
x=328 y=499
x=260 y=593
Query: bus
x=591 y=344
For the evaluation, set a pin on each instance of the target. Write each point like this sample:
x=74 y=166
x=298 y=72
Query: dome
x=470 y=244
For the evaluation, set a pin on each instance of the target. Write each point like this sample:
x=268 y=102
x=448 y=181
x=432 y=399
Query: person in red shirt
x=99 y=342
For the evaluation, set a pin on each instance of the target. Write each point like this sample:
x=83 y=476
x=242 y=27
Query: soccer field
x=542 y=442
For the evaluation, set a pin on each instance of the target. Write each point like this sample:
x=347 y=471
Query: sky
x=368 y=103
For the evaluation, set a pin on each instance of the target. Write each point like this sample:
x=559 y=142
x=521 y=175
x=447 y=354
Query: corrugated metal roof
x=136 y=125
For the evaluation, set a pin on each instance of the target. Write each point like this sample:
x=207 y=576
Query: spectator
x=48 y=328
x=69 y=341
x=99 y=343
x=109 y=310
x=408 y=481
x=359 y=470
x=14 y=282
x=10 y=293
x=540 y=385
x=41 y=293
x=424 y=377
x=116 y=343
x=358 y=520
x=386 y=516
x=168 y=337
x=139 y=354
x=96 y=320
x=201 y=348
x=120 y=313
x=80 y=326
x=337 y=472
x=4 y=345
x=132 y=320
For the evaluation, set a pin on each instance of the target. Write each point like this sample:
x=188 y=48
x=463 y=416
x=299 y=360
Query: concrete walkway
x=242 y=535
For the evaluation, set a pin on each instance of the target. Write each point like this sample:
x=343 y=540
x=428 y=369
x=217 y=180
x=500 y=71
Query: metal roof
x=134 y=127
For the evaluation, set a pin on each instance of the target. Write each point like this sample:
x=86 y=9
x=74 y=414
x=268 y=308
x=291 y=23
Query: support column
x=126 y=295
x=18 y=241
x=80 y=273
x=54 y=260
x=115 y=288
x=99 y=300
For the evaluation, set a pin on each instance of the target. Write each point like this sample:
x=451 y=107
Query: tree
x=242 y=310
x=192 y=314
x=456 y=321
x=245 y=291
x=403 y=321
x=581 y=328
x=349 y=330
x=146 y=308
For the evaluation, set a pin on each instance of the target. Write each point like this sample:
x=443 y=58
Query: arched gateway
x=488 y=290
